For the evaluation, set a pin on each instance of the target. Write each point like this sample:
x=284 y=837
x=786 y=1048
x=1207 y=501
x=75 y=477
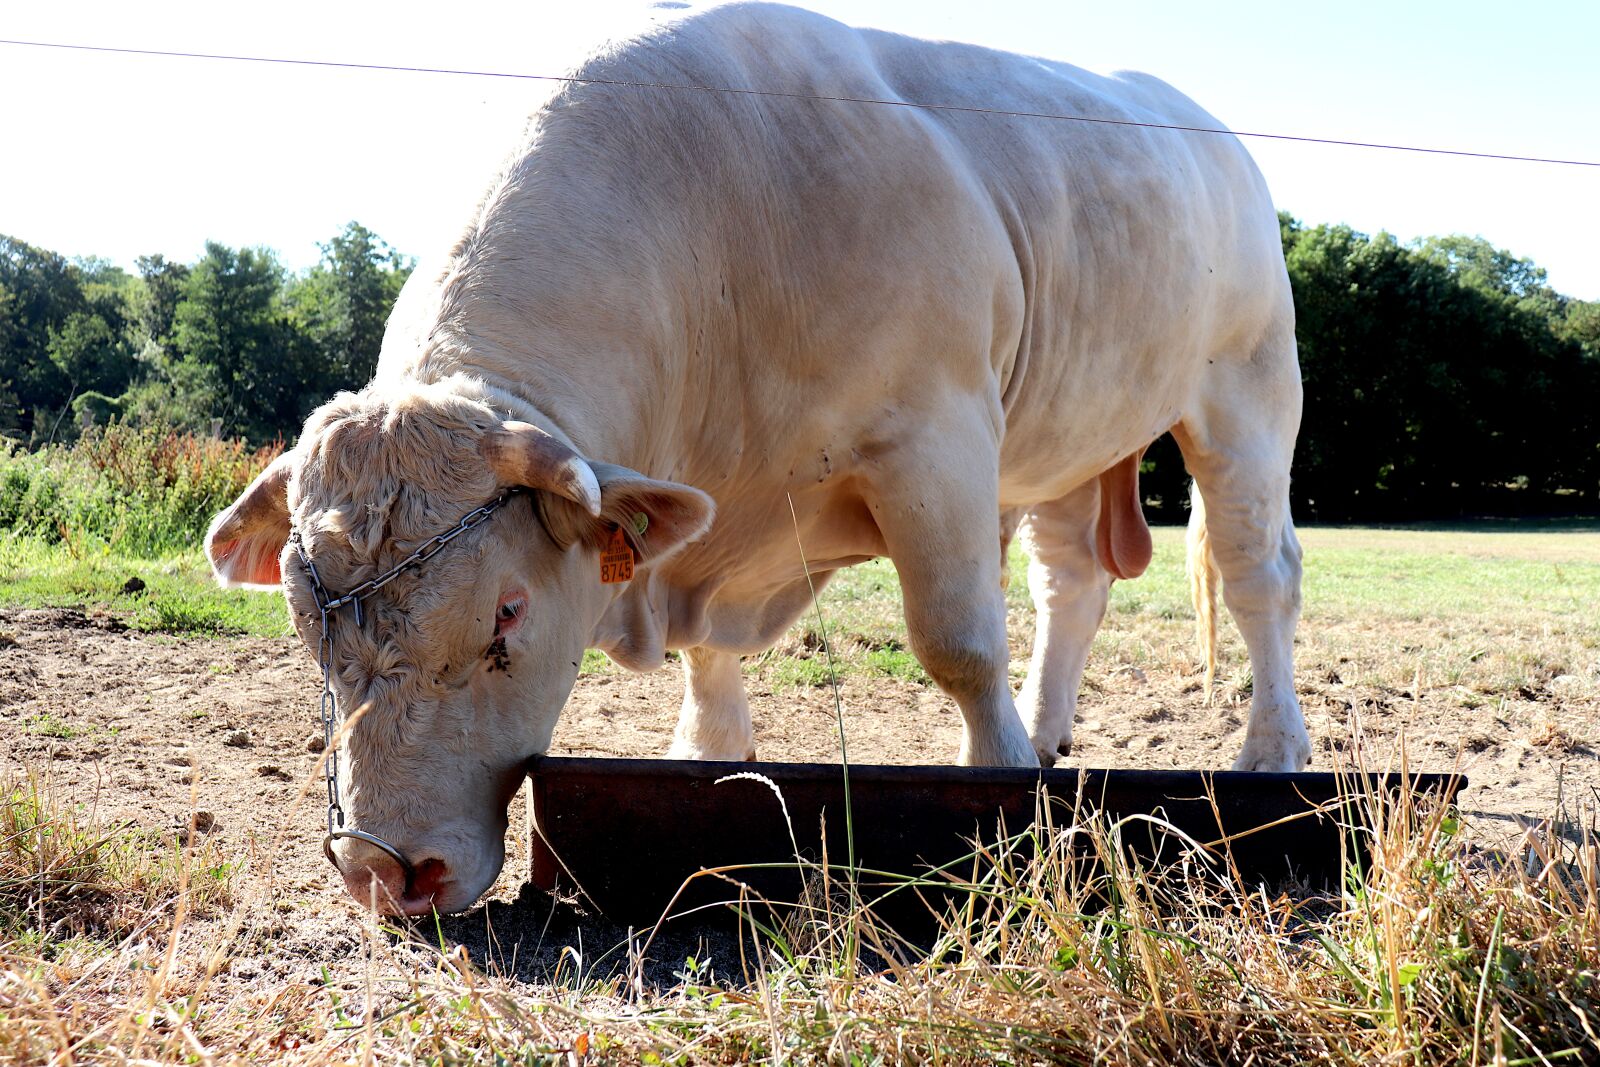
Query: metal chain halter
x=327 y=605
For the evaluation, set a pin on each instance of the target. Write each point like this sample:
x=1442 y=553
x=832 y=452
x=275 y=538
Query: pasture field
x=163 y=897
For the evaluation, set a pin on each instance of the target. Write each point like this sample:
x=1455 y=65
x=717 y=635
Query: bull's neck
x=616 y=375
x=586 y=288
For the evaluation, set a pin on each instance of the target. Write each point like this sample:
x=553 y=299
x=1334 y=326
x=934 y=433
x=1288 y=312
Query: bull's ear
x=657 y=517
x=245 y=540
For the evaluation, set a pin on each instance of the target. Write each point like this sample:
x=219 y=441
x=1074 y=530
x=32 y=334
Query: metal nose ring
x=377 y=843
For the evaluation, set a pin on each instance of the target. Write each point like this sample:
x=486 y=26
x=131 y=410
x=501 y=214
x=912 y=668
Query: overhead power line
x=919 y=105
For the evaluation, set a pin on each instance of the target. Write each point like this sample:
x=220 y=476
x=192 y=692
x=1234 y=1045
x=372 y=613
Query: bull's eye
x=508 y=613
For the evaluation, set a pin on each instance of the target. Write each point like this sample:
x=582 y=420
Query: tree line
x=1443 y=377
x=232 y=336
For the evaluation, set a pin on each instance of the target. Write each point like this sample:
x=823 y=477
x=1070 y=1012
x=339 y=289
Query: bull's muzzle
x=379 y=875
x=376 y=842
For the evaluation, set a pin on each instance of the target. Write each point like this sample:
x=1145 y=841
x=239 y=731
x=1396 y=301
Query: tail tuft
x=1202 y=568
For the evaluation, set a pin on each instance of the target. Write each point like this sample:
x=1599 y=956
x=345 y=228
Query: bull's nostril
x=431 y=875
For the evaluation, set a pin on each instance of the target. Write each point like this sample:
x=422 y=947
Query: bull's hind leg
x=715 y=720
x=936 y=506
x=1238 y=446
x=1070 y=589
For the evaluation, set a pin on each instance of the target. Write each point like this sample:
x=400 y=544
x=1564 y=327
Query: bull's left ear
x=247 y=538
x=657 y=517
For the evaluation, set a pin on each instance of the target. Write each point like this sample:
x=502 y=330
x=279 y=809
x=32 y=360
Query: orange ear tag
x=616 y=559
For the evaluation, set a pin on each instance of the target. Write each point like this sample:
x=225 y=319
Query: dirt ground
x=151 y=728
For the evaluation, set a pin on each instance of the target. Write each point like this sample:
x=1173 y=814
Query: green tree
x=232 y=344
x=342 y=306
x=1580 y=324
x=41 y=291
x=1435 y=378
x=1477 y=262
x=96 y=348
x=90 y=355
x=158 y=302
x=10 y=404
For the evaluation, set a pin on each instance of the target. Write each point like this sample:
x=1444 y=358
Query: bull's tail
x=1203 y=577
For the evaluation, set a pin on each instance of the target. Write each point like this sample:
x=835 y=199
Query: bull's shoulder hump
x=972 y=78
x=978 y=77
x=1160 y=97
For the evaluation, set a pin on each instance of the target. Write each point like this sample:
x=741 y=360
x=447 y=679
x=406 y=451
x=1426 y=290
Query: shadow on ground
x=541 y=939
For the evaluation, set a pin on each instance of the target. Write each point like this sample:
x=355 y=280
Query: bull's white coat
x=912 y=325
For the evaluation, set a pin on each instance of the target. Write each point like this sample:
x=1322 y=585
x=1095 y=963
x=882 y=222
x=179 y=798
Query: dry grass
x=1463 y=614
x=146 y=461
x=1443 y=953
x=64 y=873
x=1457 y=946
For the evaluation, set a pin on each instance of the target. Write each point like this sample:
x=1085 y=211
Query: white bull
x=916 y=326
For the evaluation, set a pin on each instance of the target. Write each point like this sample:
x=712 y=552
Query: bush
x=136 y=490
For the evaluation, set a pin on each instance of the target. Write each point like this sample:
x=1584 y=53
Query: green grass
x=138 y=490
x=797 y=672
x=1389 y=574
x=1450 y=605
x=178 y=597
x=1424 y=573
x=596 y=662
x=896 y=663
x=1453 y=601
x=114 y=522
x=48 y=725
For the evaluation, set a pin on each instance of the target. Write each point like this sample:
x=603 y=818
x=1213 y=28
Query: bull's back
x=1070 y=267
x=799 y=272
x=1143 y=252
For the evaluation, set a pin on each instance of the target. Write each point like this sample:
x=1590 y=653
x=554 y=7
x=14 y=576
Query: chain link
x=326 y=606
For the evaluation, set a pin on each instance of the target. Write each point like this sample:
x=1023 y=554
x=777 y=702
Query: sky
x=118 y=156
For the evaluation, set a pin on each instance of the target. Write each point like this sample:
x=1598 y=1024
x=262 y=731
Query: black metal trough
x=627 y=833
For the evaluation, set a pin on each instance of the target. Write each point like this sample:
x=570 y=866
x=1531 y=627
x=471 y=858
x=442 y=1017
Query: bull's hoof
x=1048 y=758
x=1275 y=755
x=1052 y=744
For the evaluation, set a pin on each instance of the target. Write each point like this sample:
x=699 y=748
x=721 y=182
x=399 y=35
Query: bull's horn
x=520 y=453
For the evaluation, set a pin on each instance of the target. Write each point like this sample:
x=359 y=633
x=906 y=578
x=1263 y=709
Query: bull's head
x=455 y=673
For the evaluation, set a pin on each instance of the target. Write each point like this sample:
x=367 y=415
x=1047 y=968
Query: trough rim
x=1420 y=781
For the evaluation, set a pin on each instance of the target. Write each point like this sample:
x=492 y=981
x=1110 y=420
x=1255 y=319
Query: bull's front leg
x=935 y=502
x=714 y=723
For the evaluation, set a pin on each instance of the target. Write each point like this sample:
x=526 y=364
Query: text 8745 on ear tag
x=616 y=559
